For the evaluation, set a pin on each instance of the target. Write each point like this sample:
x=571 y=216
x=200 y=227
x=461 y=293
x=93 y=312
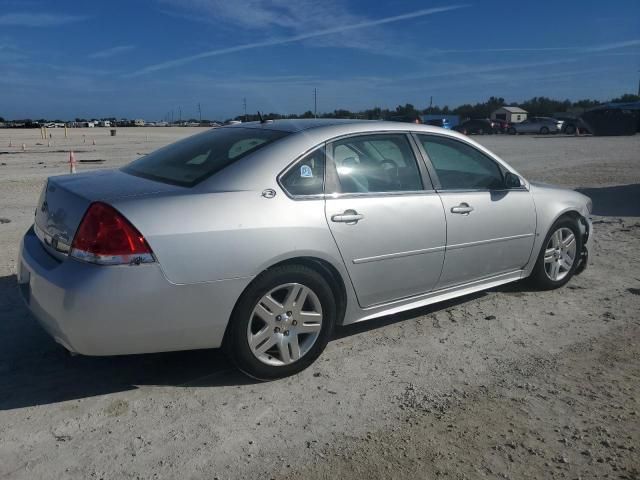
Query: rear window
x=190 y=161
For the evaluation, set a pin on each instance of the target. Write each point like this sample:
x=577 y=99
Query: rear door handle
x=462 y=209
x=349 y=216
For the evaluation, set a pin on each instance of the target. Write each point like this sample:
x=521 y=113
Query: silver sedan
x=262 y=237
x=541 y=125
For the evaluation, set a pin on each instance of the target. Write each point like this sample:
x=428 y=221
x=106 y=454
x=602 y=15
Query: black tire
x=236 y=344
x=539 y=278
x=570 y=130
x=544 y=131
x=481 y=131
x=512 y=131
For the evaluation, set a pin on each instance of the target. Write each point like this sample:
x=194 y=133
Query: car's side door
x=490 y=228
x=386 y=218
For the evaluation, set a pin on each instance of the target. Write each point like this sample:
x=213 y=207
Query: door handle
x=462 y=209
x=350 y=217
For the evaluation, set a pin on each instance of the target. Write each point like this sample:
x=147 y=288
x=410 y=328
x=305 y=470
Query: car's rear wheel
x=544 y=131
x=512 y=131
x=282 y=322
x=559 y=256
x=570 y=130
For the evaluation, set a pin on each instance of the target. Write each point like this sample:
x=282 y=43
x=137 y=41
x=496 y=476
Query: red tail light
x=106 y=237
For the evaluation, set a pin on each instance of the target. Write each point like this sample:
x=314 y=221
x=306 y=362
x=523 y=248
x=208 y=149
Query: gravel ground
x=509 y=383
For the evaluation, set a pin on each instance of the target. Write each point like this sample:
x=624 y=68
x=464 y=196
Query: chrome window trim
x=340 y=195
x=471 y=190
x=427 y=171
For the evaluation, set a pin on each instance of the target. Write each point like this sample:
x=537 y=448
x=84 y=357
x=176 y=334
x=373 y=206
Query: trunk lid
x=65 y=199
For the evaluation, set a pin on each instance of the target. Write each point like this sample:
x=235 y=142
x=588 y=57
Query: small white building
x=138 y=122
x=510 y=114
x=104 y=123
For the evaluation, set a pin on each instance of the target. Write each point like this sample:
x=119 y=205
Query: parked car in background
x=573 y=125
x=477 y=126
x=439 y=122
x=541 y=125
x=262 y=237
x=406 y=119
x=501 y=126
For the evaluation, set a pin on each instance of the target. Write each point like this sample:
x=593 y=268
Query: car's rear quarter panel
x=216 y=236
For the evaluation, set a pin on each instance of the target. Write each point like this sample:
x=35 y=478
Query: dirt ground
x=509 y=383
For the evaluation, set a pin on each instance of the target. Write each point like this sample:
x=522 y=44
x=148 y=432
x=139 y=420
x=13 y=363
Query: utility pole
x=180 y=117
x=244 y=104
x=199 y=112
x=315 y=103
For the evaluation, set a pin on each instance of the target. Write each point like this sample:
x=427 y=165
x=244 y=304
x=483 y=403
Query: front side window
x=306 y=177
x=376 y=163
x=460 y=166
x=190 y=161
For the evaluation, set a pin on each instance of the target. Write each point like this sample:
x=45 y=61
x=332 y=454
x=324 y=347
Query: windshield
x=190 y=161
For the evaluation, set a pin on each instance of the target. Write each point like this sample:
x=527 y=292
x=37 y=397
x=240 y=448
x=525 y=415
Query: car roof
x=336 y=126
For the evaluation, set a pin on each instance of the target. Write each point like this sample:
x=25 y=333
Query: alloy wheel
x=284 y=324
x=560 y=254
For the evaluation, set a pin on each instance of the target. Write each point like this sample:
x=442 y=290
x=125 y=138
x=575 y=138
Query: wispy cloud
x=38 y=19
x=111 y=52
x=453 y=71
x=613 y=46
x=604 y=47
x=294 y=38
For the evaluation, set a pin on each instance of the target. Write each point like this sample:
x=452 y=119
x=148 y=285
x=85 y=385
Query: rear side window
x=306 y=177
x=375 y=164
x=194 y=159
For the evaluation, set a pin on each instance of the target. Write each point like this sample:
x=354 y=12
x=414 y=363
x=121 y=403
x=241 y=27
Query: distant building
x=104 y=123
x=510 y=114
x=138 y=122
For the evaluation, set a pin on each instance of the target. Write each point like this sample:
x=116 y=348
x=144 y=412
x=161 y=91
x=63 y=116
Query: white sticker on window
x=306 y=172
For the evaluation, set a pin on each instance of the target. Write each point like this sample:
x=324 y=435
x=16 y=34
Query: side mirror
x=511 y=180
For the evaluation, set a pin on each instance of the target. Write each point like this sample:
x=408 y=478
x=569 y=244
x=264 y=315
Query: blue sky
x=144 y=58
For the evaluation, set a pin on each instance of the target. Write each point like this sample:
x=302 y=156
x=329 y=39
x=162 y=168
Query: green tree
x=626 y=98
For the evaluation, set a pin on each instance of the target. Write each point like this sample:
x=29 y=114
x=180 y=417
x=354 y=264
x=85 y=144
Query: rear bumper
x=113 y=310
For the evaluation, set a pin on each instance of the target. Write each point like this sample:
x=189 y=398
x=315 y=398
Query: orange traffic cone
x=72 y=162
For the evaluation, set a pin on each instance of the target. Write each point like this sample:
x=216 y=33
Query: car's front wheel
x=544 y=131
x=282 y=322
x=559 y=256
x=512 y=131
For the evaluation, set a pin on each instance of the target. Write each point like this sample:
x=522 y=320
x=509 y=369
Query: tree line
x=539 y=106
